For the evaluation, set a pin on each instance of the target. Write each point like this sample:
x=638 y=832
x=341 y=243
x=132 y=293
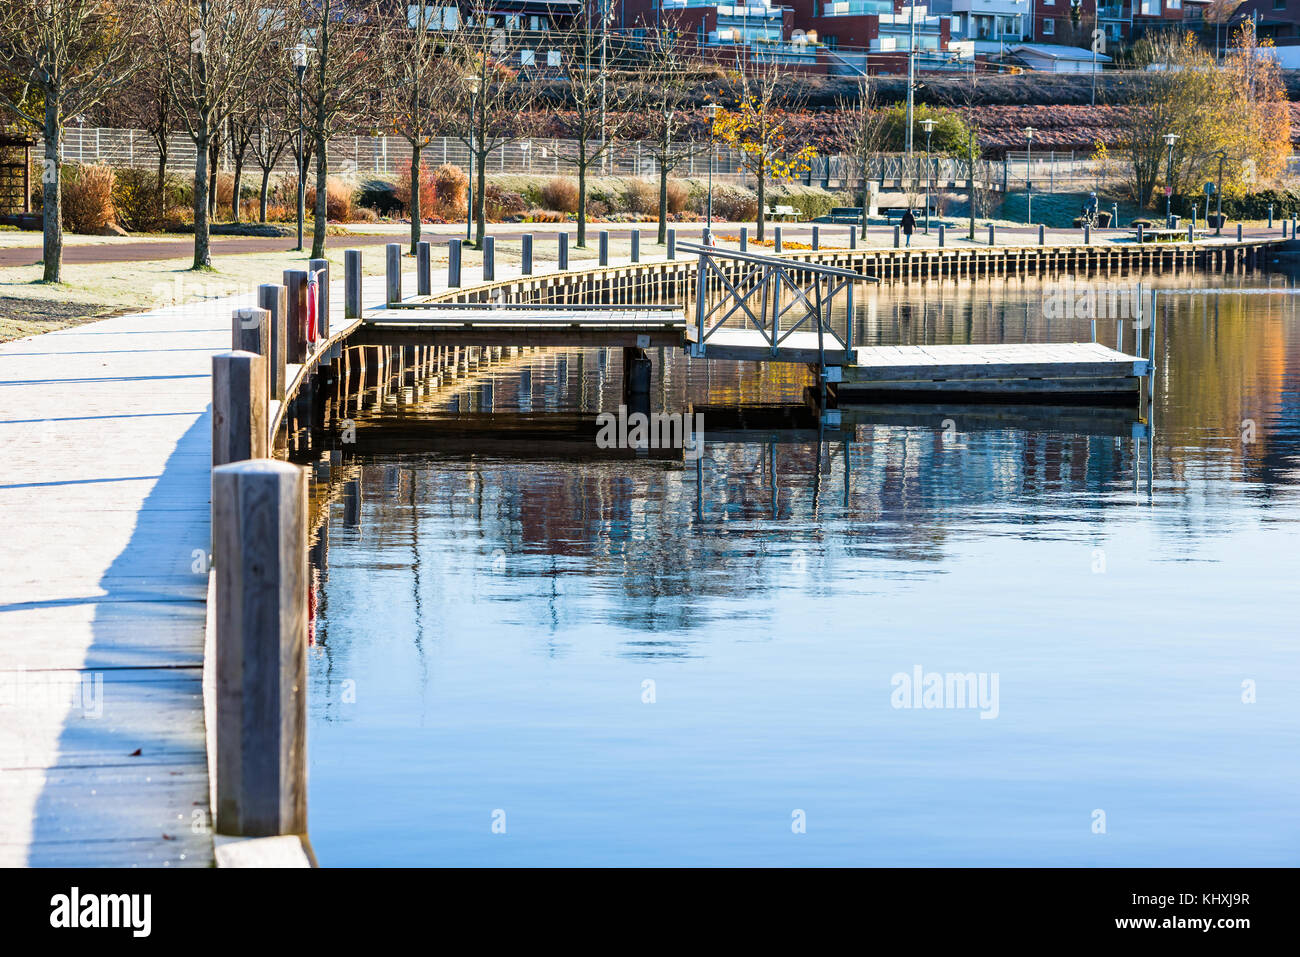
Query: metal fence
x=1048 y=170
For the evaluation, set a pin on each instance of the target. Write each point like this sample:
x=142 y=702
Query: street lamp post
x=301 y=55
x=712 y=109
x=929 y=128
x=1170 y=140
x=1029 y=184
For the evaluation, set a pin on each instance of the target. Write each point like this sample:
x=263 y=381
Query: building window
x=1175 y=4
x=527 y=58
x=1049 y=27
x=1150 y=8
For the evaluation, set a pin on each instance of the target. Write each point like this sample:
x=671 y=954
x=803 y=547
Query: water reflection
x=656 y=661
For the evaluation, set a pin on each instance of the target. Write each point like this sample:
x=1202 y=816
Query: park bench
x=783 y=212
x=846 y=214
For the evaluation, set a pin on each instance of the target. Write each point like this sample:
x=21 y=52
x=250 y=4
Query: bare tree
x=210 y=51
x=342 y=82
x=422 y=84
x=669 y=74
x=488 y=107
x=864 y=128
x=596 y=113
x=268 y=114
x=146 y=103
x=64 y=56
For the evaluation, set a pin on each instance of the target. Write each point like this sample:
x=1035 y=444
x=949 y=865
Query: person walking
x=909 y=224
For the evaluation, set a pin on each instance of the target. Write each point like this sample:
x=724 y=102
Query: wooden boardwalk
x=104 y=462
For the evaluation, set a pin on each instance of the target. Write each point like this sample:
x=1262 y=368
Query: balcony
x=855 y=8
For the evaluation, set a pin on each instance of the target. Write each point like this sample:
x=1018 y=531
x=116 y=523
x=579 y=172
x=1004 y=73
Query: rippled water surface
x=652 y=662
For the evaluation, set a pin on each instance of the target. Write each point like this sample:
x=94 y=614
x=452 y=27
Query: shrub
x=678 y=196
x=561 y=195
x=226 y=190
x=501 y=203
x=338 y=200
x=545 y=216
x=428 y=191
x=136 y=198
x=641 y=196
x=379 y=195
x=88 y=198
x=451 y=192
x=733 y=204
x=597 y=209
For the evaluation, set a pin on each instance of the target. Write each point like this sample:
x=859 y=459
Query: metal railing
x=774 y=296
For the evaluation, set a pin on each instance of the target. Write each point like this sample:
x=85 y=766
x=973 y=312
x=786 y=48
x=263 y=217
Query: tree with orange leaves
x=759 y=128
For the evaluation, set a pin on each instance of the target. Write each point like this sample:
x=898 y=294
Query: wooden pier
x=1065 y=371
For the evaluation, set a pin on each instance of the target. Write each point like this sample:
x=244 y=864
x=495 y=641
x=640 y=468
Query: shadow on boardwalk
x=130 y=786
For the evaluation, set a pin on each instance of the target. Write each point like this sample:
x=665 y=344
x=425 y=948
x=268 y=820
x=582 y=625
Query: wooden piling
x=239 y=407
x=423 y=269
x=393 y=273
x=295 y=318
x=352 y=284
x=260 y=554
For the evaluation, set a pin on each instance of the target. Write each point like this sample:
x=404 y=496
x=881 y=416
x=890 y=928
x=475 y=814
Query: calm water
x=644 y=662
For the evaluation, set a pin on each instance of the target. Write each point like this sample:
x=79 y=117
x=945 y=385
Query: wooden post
x=853 y=236
x=453 y=263
x=636 y=245
x=1191 y=233
x=259 y=545
x=423 y=269
x=941 y=235
x=1042 y=235
x=251 y=331
x=274 y=298
x=322 y=268
x=392 y=273
x=602 y=246
x=1141 y=234
x=992 y=235
x=776 y=239
x=526 y=254
x=816 y=237
x=352 y=284
x=744 y=238
x=489 y=258
x=295 y=318
x=672 y=244
x=562 y=254
x=1087 y=235
x=897 y=233
x=1239 y=232
x=239 y=407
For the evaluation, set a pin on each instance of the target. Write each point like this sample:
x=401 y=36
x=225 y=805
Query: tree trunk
x=762 y=207
x=264 y=195
x=663 y=204
x=239 y=178
x=202 y=250
x=214 y=163
x=480 y=201
x=162 y=186
x=322 y=194
x=417 y=207
x=582 y=198
x=52 y=202
x=664 y=146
